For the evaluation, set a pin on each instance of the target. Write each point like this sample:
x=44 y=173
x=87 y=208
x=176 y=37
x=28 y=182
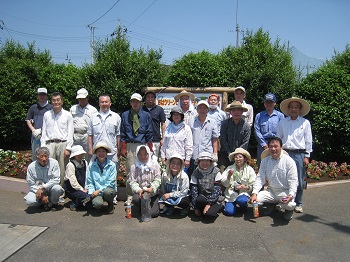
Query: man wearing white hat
x=296 y=135
x=35 y=117
x=82 y=113
x=205 y=134
x=240 y=95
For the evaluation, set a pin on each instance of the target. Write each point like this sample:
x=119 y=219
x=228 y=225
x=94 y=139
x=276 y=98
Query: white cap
x=136 y=96
x=82 y=93
x=42 y=90
x=203 y=102
x=240 y=88
x=77 y=150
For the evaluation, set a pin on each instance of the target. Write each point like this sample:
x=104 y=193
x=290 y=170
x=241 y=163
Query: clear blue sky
x=315 y=27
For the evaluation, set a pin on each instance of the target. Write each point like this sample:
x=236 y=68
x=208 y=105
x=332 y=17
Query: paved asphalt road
x=321 y=233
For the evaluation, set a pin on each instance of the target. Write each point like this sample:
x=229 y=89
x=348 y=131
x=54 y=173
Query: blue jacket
x=100 y=181
x=145 y=133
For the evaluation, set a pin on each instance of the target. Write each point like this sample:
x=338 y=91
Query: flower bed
x=14 y=164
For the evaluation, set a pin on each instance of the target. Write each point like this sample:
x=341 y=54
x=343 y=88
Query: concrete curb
x=329 y=183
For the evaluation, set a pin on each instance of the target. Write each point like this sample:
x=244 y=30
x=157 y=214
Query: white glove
x=215 y=157
x=37 y=133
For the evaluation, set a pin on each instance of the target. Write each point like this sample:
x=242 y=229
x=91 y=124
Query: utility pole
x=92 y=41
x=237 y=27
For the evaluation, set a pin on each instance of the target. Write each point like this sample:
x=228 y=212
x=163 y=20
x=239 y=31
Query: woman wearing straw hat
x=185 y=102
x=101 y=178
x=75 y=177
x=238 y=180
x=296 y=135
x=175 y=186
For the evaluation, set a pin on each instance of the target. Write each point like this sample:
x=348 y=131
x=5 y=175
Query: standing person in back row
x=82 y=113
x=35 y=118
x=135 y=130
x=185 y=102
x=240 y=95
x=235 y=132
x=57 y=133
x=296 y=135
x=266 y=124
x=158 y=120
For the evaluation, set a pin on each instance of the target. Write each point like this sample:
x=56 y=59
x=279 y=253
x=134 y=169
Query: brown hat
x=101 y=144
x=239 y=150
x=184 y=93
x=305 y=106
x=235 y=104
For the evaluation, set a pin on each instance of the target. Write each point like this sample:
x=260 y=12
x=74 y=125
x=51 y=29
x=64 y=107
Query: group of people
x=204 y=150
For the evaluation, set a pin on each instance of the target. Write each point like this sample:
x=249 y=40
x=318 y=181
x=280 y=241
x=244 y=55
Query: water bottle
x=255 y=209
x=146 y=207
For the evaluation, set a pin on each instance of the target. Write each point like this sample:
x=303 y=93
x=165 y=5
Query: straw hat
x=305 y=106
x=184 y=93
x=266 y=153
x=102 y=144
x=235 y=104
x=239 y=150
x=77 y=150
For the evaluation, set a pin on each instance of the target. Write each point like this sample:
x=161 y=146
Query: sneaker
x=72 y=206
x=165 y=209
x=115 y=201
x=110 y=209
x=184 y=212
x=170 y=211
x=61 y=200
x=298 y=209
x=288 y=215
x=47 y=206
x=86 y=200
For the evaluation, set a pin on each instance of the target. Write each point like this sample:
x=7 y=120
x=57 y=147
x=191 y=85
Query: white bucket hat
x=77 y=150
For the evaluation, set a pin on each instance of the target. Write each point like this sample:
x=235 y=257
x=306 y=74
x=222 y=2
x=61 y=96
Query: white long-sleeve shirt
x=58 y=126
x=281 y=174
x=296 y=134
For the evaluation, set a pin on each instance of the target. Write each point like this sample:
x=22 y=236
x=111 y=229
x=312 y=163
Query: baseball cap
x=270 y=97
x=136 y=96
x=42 y=90
x=82 y=93
x=240 y=88
x=203 y=102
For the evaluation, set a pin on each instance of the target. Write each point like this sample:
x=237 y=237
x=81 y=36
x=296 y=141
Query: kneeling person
x=75 y=178
x=280 y=171
x=43 y=177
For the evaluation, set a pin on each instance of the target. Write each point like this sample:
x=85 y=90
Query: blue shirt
x=145 y=133
x=266 y=126
x=97 y=180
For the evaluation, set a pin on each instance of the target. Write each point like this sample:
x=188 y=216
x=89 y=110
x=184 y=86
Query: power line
x=142 y=13
x=104 y=13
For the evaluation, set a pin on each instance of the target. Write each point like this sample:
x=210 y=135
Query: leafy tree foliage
x=119 y=71
x=328 y=91
x=260 y=67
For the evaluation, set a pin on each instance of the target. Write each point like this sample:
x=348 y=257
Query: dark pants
x=136 y=200
x=202 y=201
x=184 y=203
x=77 y=197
